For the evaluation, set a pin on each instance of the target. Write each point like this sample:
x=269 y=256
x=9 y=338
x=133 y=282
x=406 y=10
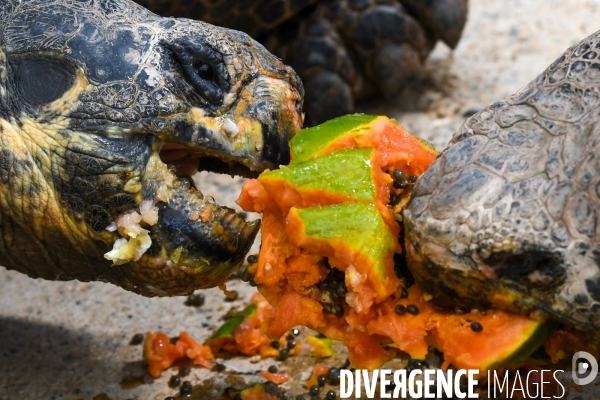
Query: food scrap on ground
x=276 y=377
x=240 y=334
x=160 y=353
x=321 y=347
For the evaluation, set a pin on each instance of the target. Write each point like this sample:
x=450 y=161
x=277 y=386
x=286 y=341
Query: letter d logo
x=580 y=368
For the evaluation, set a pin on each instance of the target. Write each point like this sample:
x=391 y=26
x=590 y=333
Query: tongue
x=185 y=163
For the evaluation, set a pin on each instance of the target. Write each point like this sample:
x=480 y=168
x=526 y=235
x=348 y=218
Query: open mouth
x=188 y=161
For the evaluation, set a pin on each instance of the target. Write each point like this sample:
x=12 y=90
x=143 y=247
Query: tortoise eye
x=202 y=67
x=204 y=70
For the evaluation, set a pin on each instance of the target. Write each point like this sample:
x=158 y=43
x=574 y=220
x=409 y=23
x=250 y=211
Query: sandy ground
x=69 y=340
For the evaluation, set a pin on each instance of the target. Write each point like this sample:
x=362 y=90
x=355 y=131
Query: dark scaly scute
x=525 y=238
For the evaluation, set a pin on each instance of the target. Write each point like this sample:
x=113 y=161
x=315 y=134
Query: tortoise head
x=106 y=110
x=507 y=215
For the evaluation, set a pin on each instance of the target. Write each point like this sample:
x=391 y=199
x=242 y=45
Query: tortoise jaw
x=464 y=279
x=191 y=243
x=203 y=241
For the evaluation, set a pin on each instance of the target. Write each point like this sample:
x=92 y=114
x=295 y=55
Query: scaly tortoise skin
x=95 y=97
x=343 y=50
x=507 y=215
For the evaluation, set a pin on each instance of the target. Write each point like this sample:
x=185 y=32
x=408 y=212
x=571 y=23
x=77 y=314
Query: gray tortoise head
x=96 y=97
x=507 y=215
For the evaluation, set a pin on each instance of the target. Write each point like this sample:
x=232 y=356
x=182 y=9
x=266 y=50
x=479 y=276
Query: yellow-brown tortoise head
x=105 y=110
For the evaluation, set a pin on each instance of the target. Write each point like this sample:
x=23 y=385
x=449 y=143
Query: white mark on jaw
x=230 y=128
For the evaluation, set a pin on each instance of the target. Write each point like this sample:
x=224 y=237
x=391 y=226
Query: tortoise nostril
x=204 y=70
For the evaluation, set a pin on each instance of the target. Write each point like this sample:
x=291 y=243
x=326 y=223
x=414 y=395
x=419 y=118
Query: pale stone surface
x=69 y=340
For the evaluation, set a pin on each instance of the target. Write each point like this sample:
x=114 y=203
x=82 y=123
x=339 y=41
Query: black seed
x=252 y=259
x=476 y=327
x=404 y=294
x=314 y=390
x=219 y=367
x=418 y=364
x=185 y=389
x=330 y=395
x=283 y=354
x=296 y=332
x=338 y=276
x=398 y=175
x=170 y=398
x=326 y=308
x=339 y=310
x=194 y=300
x=269 y=386
x=272 y=369
x=323 y=286
x=245 y=275
x=275 y=344
x=291 y=344
x=395 y=199
x=185 y=371
x=234 y=296
x=289 y=337
x=252 y=283
x=322 y=380
x=400 y=309
x=334 y=376
x=335 y=296
x=342 y=290
x=174 y=381
x=399 y=184
x=414 y=310
x=136 y=339
x=187 y=383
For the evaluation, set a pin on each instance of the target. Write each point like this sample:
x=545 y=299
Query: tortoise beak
x=251 y=136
